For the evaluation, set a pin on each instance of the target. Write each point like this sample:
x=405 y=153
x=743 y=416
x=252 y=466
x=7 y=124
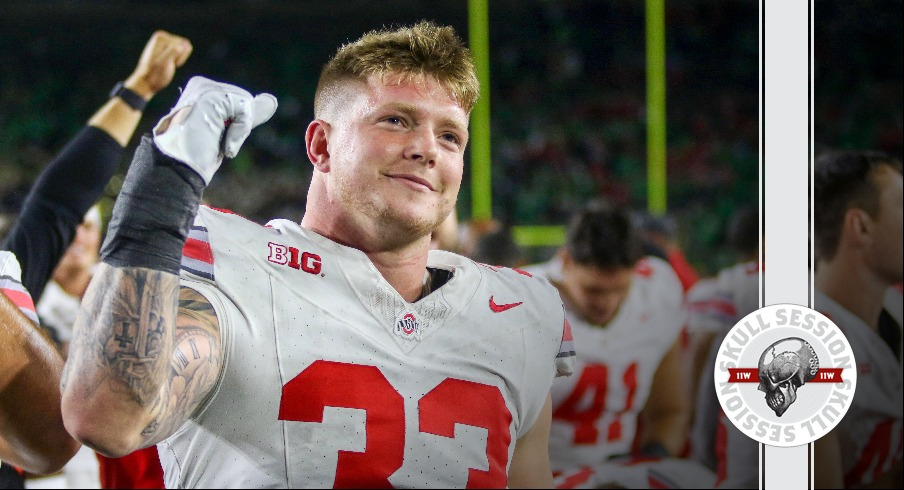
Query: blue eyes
x=398 y=121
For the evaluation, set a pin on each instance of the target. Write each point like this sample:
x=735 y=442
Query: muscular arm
x=32 y=435
x=530 y=463
x=143 y=357
x=667 y=411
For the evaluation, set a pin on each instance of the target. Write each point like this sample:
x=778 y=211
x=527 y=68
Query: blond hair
x=424 y=49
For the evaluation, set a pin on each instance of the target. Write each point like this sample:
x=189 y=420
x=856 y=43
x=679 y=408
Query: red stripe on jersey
x=198 y=250
x=572 y=481
x=566 y=332
x=223 y=210
x=20 y=298
x=718 y=305
x=643 y=268
x=655 y=482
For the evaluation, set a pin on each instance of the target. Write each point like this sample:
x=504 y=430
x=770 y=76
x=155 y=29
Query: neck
x=853 y=286
x=403 y=271
x=402 y=266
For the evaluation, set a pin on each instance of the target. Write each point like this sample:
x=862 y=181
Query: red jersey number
x=879 y=455
x=595 y=379
x=453 y=401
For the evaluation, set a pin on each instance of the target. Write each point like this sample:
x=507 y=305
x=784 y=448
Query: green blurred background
x=568 y=113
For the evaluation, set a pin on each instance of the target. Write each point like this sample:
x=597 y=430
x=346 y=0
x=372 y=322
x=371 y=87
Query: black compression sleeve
x=76 y=178
x=153 y=213
x=64 y=191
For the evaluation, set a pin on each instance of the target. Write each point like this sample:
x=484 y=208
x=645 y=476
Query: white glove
x=193 y=131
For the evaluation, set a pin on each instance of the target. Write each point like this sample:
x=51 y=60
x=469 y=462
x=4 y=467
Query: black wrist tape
x=153 y=213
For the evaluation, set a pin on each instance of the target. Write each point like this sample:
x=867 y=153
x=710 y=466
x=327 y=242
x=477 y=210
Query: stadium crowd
x=642 y=295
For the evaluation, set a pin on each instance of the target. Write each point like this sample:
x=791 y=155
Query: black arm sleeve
x=64 y=191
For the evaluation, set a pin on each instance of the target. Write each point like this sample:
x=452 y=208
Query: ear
x=565 y=257
x=857 y=226
x=317 y=143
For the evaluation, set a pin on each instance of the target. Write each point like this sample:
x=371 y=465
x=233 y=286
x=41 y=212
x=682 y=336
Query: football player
x=340 y=351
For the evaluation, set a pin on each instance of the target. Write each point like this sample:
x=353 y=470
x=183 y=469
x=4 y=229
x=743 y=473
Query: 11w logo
x=290 y=256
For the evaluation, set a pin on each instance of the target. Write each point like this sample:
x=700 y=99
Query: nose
x=422 y=146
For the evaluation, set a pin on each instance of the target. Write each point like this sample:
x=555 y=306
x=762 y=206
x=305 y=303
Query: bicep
x=194 y=366
x=530 y=463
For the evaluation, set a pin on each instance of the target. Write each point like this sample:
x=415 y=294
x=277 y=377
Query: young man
x=341 y=352
x=858 y=237
x=627 y=312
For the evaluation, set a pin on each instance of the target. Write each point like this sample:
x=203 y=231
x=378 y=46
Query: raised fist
x=211 y=120
x=163 y=53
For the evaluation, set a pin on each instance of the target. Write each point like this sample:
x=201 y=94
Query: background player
x=858 y=233
x=714 y=306
x=298 y=330
x=626 y=312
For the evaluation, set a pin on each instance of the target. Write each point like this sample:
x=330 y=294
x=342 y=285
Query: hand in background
x=163 y=53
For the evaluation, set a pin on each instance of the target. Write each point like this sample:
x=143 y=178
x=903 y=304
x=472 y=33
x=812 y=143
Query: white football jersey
x=716 y=304
x=595 y=411
x=871 y=431
x=893 y=302
x=714 y=307
x=331 y=379
x=11 y=285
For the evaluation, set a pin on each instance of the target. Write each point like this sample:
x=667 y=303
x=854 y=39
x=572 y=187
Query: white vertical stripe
x=785 y=81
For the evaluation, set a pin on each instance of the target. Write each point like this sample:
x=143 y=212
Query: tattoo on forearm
x=134 y=340
x=196 y=355
x=154 y=343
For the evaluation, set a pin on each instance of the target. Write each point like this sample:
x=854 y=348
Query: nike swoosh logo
x=503 y=307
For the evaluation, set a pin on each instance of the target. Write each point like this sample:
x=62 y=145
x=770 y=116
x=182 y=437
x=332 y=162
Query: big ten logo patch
x=292 y=257
x=785 y=375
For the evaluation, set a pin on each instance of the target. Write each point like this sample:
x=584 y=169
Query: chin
x=415 y=219
x=401 y=226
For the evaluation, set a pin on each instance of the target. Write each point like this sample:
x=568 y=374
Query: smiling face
x=389 y=155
